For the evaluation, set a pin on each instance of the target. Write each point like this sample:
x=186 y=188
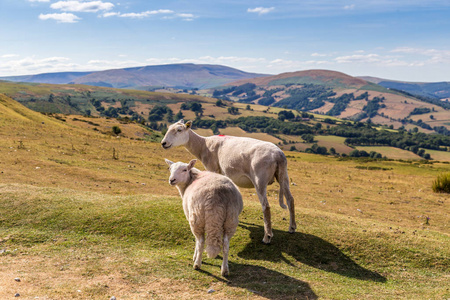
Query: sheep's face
x=180 y=172
x=177 y=135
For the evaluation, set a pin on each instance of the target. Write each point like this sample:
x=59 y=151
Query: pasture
x=77 y=222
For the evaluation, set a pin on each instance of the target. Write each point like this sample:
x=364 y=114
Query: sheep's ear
x=168 y=162
x=191 y=164
x=188 y=124
x=181 y=121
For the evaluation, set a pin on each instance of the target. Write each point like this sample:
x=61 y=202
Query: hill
x=289 y=129
x=84 y=214
x=54 y=78
x=339 y=95
x=437 y=90
x=189 y=76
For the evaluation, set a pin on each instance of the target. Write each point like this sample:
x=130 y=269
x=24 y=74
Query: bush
x=442 y=184
x=116 y=130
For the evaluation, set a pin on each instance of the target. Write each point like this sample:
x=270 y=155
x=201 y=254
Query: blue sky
x=394 y=39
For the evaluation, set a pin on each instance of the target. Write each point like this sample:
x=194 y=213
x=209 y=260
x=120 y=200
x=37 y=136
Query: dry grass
x=76 y=223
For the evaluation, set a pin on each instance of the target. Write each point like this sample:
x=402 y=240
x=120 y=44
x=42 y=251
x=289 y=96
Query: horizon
x=401 y=41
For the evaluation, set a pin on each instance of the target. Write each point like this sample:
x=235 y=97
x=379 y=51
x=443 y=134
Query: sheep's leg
x=226 y=247
x=291 y=206
x=262 y=195
x=199 y=245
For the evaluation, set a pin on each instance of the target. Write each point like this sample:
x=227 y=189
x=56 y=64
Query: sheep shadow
x=265 y=282
x=305 y=248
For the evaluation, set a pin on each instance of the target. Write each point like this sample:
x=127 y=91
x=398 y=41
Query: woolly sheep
x=247 y=162
x=211 y=204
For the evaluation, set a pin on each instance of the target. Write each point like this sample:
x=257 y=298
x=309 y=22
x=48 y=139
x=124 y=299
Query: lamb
x=212 y=204
x=247 y=162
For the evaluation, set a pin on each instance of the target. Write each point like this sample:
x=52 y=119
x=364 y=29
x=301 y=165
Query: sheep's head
x=177 y=134
x=180 y=172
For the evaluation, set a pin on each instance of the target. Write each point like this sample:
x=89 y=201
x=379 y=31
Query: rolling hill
x=189 y=76
x=339 y=95
x=438 y=90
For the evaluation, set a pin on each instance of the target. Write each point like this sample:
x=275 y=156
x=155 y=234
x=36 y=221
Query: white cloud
x=424 y=56
x=38 y=0
x=318 y=55
x=60 y=18
x=166 y=13
x=8 y=55
x=77 y=6
x=260 y=10
x=33 y=65
x=349 y=7
x=186 y=17
x=110 y=14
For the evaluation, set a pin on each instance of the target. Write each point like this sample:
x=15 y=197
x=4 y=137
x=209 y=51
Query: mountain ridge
x=171 y=75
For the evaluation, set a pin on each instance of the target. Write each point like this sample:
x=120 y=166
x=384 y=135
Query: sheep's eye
x=185 y=170
x=179 y=129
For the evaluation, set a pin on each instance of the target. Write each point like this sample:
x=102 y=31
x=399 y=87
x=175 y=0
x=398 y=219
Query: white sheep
x=247 y=162
x=212 y=204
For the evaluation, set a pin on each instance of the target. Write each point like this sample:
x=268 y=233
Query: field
x=85 y=214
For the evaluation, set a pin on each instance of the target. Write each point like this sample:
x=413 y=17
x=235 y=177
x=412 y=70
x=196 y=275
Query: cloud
x=432 y=56
x=349 y=7
x=166 y=13
x=145 y=14
x=318 y=55
x=77 y=6
x=38 y=0
x=33 y=65
x=186 y=17
x=8 y=55
x=60 y=18
x=260 y=10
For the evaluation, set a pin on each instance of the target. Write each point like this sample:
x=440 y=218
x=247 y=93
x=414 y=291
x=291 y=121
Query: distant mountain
x=438 y=90
x=175 y=75
x=52 y=78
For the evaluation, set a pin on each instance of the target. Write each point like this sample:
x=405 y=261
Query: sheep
x=212 y=204
x=247 y=162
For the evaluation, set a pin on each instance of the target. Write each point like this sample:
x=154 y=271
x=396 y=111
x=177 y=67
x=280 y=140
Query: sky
x=407 y=40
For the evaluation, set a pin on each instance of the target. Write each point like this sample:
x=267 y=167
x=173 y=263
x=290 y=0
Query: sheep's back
x=211 y=190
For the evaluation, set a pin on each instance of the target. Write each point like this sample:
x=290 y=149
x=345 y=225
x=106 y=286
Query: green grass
x=146 y=237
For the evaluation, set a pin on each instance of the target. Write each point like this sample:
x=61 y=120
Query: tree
x=116 y=130
x=308 y=138
x=179 y=115
x=233 y=110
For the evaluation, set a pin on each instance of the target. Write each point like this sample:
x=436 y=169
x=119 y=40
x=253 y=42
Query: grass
x=442 y=184
x=77 y=224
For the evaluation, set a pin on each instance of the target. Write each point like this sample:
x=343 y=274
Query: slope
x=75 y=222
x=438 y=90
x=340 y=95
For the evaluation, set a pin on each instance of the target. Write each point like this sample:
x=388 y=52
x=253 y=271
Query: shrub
x=116 y=130
x=442 y=184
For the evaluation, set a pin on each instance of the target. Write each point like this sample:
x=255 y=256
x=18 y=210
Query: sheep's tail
x=214 y=227
x=282 y=177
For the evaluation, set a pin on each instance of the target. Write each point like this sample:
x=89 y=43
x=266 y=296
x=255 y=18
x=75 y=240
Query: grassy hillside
x=77 y=222
x=337 y=94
